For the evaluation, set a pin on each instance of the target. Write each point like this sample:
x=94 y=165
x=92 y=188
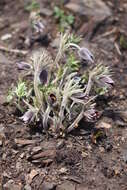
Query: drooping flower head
x=83 y=53
x=86 y=55
x=28 y=116
x=43 y=76
x=91 y=115
x=23 y=65
x=106 y=81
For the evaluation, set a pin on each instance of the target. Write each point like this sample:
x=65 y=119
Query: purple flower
x=38 y=26
x=80 y=95
x=43 y=76
x=23 y=65
x=28 y=116
x=86 y=55
x=91 y=115
x=106 y=80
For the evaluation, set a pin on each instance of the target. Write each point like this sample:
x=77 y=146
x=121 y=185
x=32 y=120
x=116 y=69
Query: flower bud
x=23 y=65
x=28 y=116
x=91 y=115
x=106 y=80
x=43 y=76
x=86 y=55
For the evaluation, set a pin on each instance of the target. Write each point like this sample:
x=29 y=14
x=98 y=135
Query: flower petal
x=106 y=81
x=86 y=55
x=91 y=115
x=38 y=26
x=23 y=65
x=43 y=77
x=28 y=116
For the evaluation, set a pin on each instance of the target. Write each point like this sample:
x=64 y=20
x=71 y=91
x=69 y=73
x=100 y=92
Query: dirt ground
x=83 y=160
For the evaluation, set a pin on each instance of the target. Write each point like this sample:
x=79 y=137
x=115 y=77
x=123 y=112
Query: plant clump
x=61 y=93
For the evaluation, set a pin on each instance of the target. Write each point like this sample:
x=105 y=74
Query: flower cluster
x=61 y=95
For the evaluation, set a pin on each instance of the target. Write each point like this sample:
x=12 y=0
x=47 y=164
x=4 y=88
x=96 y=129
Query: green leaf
x=74 y=39
x=10 y=96
x=58 y=13
x=70 y=19
x=32 y=6
x=21 y=90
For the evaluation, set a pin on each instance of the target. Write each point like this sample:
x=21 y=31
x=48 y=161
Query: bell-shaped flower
x=38 y=26
x=43 y=76
x=105 y=81
x=23 y=65
x=91 y=115
x=28 y=116
x=86 y=55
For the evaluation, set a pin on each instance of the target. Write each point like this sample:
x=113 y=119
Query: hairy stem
x=89 y=85
x=74 y=45
x=77 y=120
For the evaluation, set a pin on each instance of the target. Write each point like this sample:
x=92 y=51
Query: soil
x=83 y=160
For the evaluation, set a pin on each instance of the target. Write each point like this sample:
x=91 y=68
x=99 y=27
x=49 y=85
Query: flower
x=52 y=99
x=105 y=81
x=86 y=55
x=23 y=65
x=43 y=76
x=36 y=22
x=91 y=115
x=28 y=116
x=38 y=26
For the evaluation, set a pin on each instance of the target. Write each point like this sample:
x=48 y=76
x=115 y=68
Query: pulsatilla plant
x=61 y=94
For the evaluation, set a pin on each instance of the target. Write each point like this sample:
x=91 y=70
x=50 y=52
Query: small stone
x=10 y=185
x=31 y=175
x=36 y=149
x=104 y=125
x=66 y=186
x=101 y=149
x=3 y=59
x=27 y=187
x=24 y=142
x=18 y=166
x=96 y=8
x=6 y=175
x=46 y=12
x=4 y=23
x=48 y=186
x=6 y=37
x=22 y=155
x=1 y=143
x=63 y=170
x=2 y=135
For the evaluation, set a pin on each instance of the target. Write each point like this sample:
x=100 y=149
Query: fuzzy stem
x=45 y=117
x=77 y=120
x=89 y=85
x=75 y=45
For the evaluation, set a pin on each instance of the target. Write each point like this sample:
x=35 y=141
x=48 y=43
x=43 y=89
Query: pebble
x=6 y=37
x=27 y=187
x=48 y=186
x=96 y=8
x=12 y=186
